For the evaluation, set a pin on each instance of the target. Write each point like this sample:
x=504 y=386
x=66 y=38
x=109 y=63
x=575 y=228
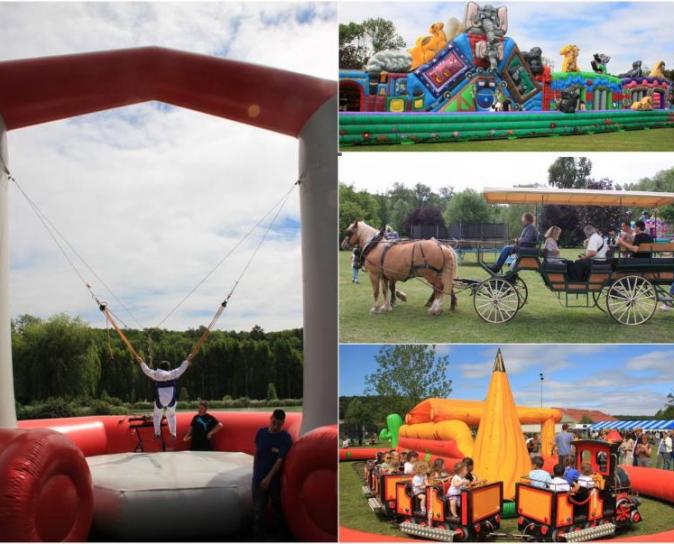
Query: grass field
x=661 y=139
x=542 y=320
x=355 y=513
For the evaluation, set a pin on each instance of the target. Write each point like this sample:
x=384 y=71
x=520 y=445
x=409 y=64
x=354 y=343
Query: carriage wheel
x=599 y=297
x=522 y=290
x=496 y=300
x=631 y=300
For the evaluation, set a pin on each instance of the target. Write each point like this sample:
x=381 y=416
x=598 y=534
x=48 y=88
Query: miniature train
x=542 y=515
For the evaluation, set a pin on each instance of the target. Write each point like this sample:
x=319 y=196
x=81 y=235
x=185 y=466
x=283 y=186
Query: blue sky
x=617 y=379
x=153 y=195
x=626 y=31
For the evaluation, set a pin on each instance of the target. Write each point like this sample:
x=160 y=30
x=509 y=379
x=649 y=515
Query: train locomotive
x=548 y=516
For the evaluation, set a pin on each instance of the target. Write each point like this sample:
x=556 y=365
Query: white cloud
x=153 y=197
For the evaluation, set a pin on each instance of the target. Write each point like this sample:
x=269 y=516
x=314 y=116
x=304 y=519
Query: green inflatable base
x=508 y=509
x=408 y=128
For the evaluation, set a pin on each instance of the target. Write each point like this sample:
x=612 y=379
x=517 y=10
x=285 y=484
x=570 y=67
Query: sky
x=625 y=31
x=471 y=171
x=151 y=195
x=616 y=379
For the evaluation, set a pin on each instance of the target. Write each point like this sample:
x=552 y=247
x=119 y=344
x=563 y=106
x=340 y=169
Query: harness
x=165 y=385
x=425 y=265
x=374 y=241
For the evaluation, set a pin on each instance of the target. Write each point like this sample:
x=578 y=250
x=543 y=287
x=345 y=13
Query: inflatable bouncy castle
x=478 y=84
x=104 y=477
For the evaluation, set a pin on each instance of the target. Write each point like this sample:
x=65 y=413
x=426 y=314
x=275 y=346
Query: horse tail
x=450 y=271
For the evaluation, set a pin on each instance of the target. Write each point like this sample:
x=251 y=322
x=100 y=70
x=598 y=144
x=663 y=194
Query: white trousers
x=170 y=419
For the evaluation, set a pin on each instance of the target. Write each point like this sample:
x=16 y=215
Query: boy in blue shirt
x=571 y=475
x=271 y=447
x=539 y=477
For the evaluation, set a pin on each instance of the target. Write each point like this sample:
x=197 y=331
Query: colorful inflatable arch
x=43 y=463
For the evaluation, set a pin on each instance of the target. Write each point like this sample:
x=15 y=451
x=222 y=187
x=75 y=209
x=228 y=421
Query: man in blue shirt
x=528 y=238
x=563 y=441
x=272 y=444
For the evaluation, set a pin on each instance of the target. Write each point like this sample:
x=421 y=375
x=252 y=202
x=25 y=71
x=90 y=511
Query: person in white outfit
x=165 y=392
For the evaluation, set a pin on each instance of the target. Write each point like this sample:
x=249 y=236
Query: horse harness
x=413 y=267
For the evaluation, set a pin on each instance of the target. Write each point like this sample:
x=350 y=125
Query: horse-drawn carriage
x=627 y=288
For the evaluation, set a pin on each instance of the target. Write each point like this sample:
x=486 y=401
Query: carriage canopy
x=577 y=197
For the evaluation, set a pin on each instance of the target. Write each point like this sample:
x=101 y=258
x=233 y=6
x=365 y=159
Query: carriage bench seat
x=602 y=266
x=528 y=252
x=554 y=267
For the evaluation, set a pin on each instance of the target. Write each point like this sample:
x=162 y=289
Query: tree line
x=63 y=357
x=402 y=206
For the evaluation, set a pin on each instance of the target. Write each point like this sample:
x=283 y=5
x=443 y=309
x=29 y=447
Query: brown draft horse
x=387 y=262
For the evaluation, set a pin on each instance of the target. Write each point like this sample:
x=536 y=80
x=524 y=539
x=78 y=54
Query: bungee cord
x=113 y=319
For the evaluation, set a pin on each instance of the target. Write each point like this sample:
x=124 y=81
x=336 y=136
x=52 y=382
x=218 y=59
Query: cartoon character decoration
x=599 y=62
x=636 y=71
x=645 y=104
x=534 y=59
x=569 y=100
x=485 y=94
x=489 y=25
x=428 y=46
x=570 y=58
x=658 y=70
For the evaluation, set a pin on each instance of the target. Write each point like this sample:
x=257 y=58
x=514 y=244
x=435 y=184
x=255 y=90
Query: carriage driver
x=528 y=238
x=165 y=392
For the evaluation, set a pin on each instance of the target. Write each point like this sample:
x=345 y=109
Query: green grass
x=542 y=320
x=354 y=512
x=661 y=139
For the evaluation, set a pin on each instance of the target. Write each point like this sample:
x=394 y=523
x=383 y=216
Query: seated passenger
x=586 y=478
x=412 y=458
x=472 y=478
x=539 y=477
x=641 y=237
x=419 y=483
x=551 y=247
x=571 y=475
x=387 y=466
x=528 y=238
x=457 y=483
x=438 y=471
x=558 y=483
x=595 y=250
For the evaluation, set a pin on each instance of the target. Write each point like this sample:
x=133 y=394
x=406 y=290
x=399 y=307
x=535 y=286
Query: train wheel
x=496 y=300
x=623 y=510
x=522 y=290
x=631 y=300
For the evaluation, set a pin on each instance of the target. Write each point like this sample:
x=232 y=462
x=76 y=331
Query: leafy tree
x=468 y=206
x=183 y=396
x=271 y=392
x=401 y=209
x=668 y=411
x=382 y=34
x=352 y=50
x=586 y=420
x=357 y=206
x=570 y=172
x=357 y=414
x=424 y=216
x=406 y=374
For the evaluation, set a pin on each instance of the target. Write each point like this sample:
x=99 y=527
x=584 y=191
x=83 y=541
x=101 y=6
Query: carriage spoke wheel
x=496 y=300
x=522 y=290
x=631 y=300
x=599 y=298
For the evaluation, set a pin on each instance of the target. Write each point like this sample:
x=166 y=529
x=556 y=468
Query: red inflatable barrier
x=358 y=454
x=44 y=461
x=652 y=482
x=46 y=487
x=309 y=491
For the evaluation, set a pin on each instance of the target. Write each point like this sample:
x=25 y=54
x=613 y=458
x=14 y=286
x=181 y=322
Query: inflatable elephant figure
x=492 y=23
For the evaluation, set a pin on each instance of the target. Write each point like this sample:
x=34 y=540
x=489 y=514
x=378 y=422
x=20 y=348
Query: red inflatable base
x=47 y=489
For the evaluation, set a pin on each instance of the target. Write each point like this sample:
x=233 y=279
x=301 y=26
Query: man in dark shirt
x=272 y=444
x=641 y=237
x=528 y=238
x=202 y=428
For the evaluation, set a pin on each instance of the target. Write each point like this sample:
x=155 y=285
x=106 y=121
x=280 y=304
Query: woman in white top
x=551 y=246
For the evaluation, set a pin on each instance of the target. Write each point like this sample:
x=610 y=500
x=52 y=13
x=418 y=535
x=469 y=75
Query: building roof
x=576 y=414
